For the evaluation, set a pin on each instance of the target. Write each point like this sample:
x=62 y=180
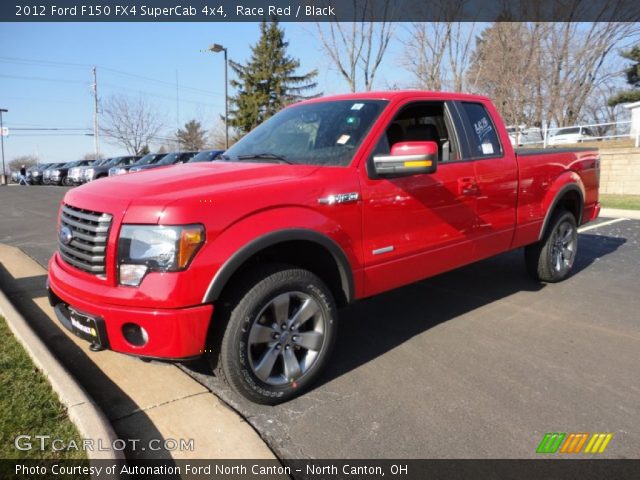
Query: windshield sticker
x=487 y=149
x=343 y=139
x=357 y=106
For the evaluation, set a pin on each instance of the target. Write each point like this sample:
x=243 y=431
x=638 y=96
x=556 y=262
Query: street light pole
x=216 y=48
x=4 y=173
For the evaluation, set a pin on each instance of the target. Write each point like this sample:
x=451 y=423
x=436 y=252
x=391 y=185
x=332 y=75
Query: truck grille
x=89 y=231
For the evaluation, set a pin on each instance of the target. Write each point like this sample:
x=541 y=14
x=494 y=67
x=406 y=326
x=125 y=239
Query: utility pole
x=4 y=173
x=96 y=139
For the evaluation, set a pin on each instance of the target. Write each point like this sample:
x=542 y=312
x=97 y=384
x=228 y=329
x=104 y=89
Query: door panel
x=416 y=226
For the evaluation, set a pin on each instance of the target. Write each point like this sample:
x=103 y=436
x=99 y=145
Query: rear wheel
x=279 y=334
x=551 y=259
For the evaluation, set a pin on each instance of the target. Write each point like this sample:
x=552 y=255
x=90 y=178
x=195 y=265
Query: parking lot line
x=609 y=222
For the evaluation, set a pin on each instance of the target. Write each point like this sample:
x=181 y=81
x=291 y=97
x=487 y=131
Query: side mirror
x=407 y=158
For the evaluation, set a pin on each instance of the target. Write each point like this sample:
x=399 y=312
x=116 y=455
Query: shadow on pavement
x=371 y=327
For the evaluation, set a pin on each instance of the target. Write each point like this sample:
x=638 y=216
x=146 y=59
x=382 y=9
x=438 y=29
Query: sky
x=45 y=76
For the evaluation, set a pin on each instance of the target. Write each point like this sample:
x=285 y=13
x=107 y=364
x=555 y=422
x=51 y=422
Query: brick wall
x=620 y=171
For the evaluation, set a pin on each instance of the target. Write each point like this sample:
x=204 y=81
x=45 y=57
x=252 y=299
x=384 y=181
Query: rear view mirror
x=407 y=158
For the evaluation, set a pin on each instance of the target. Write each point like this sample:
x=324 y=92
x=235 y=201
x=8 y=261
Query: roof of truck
x=393 y=94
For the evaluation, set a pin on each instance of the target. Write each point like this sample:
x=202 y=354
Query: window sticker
x=482 y=128
x=487 y=149
x=343 y=139
x=357 y=106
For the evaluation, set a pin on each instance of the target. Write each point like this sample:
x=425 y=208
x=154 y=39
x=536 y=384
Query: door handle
x=467 y=186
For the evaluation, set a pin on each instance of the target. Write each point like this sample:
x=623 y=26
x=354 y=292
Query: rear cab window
x=482 y=135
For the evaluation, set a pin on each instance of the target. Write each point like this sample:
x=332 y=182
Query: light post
x=216 y=48
x=4 y=173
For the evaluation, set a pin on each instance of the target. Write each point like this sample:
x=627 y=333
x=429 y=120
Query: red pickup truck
x=327 y=202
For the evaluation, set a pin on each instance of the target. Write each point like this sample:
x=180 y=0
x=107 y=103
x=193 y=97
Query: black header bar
x=319 y=10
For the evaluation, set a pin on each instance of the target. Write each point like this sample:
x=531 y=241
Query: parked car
x=329 y=201
x=34 y=174
x=59 y=175
x=148 y=159
x=172 y=158
x=15 y=176
x=47 y=172
x=206 y=156
x=100 y=171
x=75 y=174
x=571 y=135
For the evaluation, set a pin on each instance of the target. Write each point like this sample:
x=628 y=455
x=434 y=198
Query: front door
x=420 y=225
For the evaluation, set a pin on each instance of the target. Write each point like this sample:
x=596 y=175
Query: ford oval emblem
x=65 y=235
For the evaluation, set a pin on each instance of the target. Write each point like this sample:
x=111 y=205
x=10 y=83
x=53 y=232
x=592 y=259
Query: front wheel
x=551 y=259
x=278 y=336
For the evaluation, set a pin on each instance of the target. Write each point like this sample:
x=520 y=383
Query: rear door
x=496 y=179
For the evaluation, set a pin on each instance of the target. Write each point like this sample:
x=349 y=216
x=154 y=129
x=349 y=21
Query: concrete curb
x=83 y=411
x=620 y=213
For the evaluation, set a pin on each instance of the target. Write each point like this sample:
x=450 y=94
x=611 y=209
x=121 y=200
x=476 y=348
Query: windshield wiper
x=264 y=156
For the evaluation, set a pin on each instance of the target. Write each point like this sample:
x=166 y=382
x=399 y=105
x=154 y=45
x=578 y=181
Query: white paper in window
x=487 y=149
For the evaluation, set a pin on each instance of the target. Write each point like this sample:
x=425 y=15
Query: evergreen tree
x=192 y=137
x=268 y=82
x=633 y=79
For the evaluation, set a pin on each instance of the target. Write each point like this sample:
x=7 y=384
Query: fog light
x=135 y=334
x=132 y=275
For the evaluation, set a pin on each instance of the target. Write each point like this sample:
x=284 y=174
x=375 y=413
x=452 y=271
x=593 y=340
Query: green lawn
x=28 y=406
x=627 y=202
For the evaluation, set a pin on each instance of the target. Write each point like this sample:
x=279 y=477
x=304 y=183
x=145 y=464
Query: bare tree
x=438 y=54
x=131 y=123
x=26 y=160
x=92 y=156
x=546 y=73
x=576 y=59
x=357 y=48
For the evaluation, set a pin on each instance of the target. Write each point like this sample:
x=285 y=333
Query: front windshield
x=75 y=163
x=322 y=133
x=169 y=159
x=149 y=158
x=205 y=156
x=114 y=162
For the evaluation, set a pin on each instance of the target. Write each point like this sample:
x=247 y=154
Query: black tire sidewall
x=547 y=251
x=234 y=351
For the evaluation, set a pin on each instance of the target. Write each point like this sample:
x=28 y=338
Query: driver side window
x=420 y=122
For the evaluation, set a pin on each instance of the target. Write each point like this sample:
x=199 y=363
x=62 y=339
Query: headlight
x=55 y=173
x=36 y=174
x=147 y=248
x=88 y=173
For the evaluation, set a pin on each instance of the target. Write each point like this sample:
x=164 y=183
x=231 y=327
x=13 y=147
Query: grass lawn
x=28 y=405
x=627 y=202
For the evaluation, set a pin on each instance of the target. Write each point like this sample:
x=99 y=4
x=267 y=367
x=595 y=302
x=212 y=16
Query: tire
x=66 y=182
x=551 y=259
x=280 y=330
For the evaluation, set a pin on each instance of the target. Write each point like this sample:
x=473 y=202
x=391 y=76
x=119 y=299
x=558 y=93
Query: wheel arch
x=298 y=247
x=569 y=197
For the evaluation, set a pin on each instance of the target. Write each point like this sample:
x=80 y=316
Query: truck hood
x=160 y=186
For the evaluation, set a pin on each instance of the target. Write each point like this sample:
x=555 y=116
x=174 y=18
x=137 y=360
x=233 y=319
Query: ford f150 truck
x=329 y=201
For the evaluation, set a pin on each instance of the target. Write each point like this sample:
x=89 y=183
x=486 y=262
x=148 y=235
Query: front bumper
x=172 y=334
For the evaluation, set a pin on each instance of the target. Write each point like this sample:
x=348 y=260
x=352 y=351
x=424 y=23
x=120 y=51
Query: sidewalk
x=145 y=401
x=619 y=213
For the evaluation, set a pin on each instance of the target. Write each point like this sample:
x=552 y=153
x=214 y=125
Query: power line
x=48 y=63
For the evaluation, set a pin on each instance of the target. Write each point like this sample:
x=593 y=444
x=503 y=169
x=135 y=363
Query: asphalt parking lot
x=480 y=362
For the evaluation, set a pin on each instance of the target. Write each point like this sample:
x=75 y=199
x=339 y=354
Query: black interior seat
x=424 y=133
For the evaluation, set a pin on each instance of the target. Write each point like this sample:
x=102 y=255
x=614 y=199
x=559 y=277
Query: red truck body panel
x=399 y=230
